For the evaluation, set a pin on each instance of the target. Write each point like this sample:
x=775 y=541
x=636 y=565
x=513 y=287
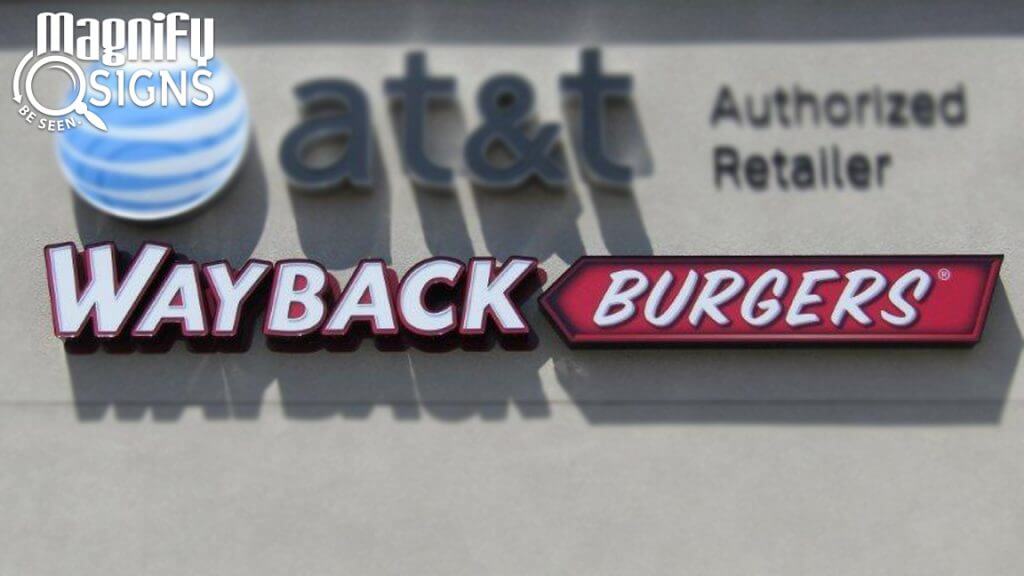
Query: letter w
x=108 y=302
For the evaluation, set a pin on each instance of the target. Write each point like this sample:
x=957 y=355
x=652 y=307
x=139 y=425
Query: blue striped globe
x=157 y=162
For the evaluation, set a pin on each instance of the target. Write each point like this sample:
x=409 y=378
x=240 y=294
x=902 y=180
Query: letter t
x=415 y=91
x=594 y=89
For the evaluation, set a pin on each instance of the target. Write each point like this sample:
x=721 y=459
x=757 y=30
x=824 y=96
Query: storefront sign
x=436 y=298
x=599 y=300
x=740 y=299
x=336 y=108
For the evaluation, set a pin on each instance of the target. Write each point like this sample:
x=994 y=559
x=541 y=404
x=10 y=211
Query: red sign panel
x=737 y=299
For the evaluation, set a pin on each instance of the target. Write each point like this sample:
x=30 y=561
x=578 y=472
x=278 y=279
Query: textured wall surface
x=709 y=461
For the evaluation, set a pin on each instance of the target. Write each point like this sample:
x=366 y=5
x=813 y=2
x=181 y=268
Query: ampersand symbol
x=506 y=103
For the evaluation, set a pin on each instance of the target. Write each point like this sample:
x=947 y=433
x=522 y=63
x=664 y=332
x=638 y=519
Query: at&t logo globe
x=159 y=161
x=153 y=125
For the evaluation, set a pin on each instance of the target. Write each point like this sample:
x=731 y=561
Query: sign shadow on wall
x=618 y=213
x=439 y=209
x=845 y=385
x=805 y=385
x=228 y=227
x=817 y=384
x=337 y=228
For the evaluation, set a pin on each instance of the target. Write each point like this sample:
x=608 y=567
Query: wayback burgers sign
x=101 y=294
x=126 y=165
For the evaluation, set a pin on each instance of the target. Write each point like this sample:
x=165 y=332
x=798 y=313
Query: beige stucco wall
x=707 y=461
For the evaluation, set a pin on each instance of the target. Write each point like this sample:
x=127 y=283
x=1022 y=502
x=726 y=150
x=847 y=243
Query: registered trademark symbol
x=944 y=273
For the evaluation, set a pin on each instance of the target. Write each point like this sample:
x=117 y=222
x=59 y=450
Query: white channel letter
x=712 y=295
x=285 y=292
x=770 y=308
x=412 y=293
x=369 y=282
x=109 y=307
x=484 y=293
x=855 y=296
x=922 y=285
x=805 y=297
x=619 y=296
x=661 y=287
x=232 y=294
x=178 y=300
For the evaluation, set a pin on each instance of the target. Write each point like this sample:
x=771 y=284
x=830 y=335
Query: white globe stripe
x=171 y=166
x=163 y=193
x=182 y=131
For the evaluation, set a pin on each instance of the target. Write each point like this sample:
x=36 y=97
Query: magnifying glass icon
x=77 y=76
